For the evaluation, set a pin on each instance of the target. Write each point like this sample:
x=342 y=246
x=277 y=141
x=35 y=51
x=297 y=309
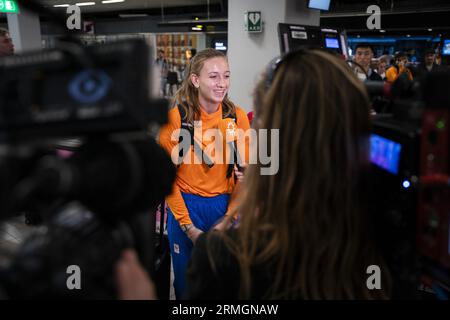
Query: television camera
x=410 y=181
x=76 y=157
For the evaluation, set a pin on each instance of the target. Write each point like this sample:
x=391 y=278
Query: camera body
x=73 y=91
x=101 y=197
x=410 y=180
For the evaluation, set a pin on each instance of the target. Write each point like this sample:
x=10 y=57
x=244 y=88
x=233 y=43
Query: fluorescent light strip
x=61 y=5
x=81 y=4
x=136 y=15
x=112 y=1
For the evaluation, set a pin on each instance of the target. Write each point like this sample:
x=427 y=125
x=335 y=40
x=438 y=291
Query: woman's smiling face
x=213 y=81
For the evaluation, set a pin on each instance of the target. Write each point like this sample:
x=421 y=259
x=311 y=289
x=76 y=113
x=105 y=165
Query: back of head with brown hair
x=308 y=223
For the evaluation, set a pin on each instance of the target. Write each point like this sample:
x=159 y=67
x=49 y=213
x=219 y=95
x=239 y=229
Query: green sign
x=253 y=21
x=9 y=6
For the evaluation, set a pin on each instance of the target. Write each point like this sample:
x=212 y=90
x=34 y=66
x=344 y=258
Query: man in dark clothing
x=363 y=57
x=429 y=63
x=163 y=66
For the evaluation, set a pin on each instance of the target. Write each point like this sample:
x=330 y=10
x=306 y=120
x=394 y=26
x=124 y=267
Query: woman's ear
x=195 y=80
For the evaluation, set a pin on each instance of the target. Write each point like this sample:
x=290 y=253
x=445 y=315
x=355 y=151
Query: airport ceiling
x=389 y=5
x=336 y=5
x=219 y=8
x=347 y=14
x=132 y=5
x=112 y=8
x=397 y=16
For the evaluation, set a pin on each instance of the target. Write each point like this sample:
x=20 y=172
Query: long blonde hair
x=187 y=95
x=308 y=224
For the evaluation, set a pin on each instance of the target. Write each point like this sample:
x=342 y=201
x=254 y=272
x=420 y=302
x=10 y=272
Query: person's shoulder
x=174 y=116
x=375 y=76
x=174 y=111
x=239 y=109
x=440 y=68
x=240 y=112
x=391 y=70
x=242 y=118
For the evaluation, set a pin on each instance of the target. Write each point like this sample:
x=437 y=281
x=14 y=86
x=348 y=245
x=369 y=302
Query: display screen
x=446 y=47
x=220 y=45
x=385 y=153
x=319 y=4
x=332 y=43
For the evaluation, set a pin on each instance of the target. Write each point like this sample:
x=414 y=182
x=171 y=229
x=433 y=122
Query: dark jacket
x=422 y=69
x=373 y=76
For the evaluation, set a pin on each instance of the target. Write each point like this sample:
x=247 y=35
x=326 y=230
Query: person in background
x=399 y=68
x=172 y=80
x=304 y=233
x=382 y=67
x=389 y=57
x=6 y=44
x=363 y=57
x=438 y=60
x=429 y=63
x=163 y=66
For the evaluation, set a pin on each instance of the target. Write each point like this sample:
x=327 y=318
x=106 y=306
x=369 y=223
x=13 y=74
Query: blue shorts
x=204 y=213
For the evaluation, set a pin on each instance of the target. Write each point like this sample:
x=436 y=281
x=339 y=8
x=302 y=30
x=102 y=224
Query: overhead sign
x=9 y=6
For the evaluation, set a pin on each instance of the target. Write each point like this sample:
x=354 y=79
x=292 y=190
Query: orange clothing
x=194 y=178
x=392 y=74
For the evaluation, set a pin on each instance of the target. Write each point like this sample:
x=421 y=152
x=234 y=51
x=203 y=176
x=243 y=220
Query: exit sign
x=9 y=6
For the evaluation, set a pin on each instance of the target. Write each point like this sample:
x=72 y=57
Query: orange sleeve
x=243 y=146
x=174 y=200
x=391 y=74
x=177 y=206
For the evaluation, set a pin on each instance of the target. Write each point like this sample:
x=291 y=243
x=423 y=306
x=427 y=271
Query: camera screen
x=446 y=47
x=332 y=43
x=385 y=153
x=319 y=4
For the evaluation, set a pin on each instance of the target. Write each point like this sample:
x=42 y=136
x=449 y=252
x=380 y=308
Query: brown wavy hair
x=187 y=94
x=308 y=225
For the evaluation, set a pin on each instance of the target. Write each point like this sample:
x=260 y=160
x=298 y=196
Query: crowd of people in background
x=367 y=66
x=389 y=67
x=171 y=74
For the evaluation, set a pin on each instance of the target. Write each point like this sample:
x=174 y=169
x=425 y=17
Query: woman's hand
x=133 y=282
x=239 y=174
x=224 y=224
x=193 y=234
